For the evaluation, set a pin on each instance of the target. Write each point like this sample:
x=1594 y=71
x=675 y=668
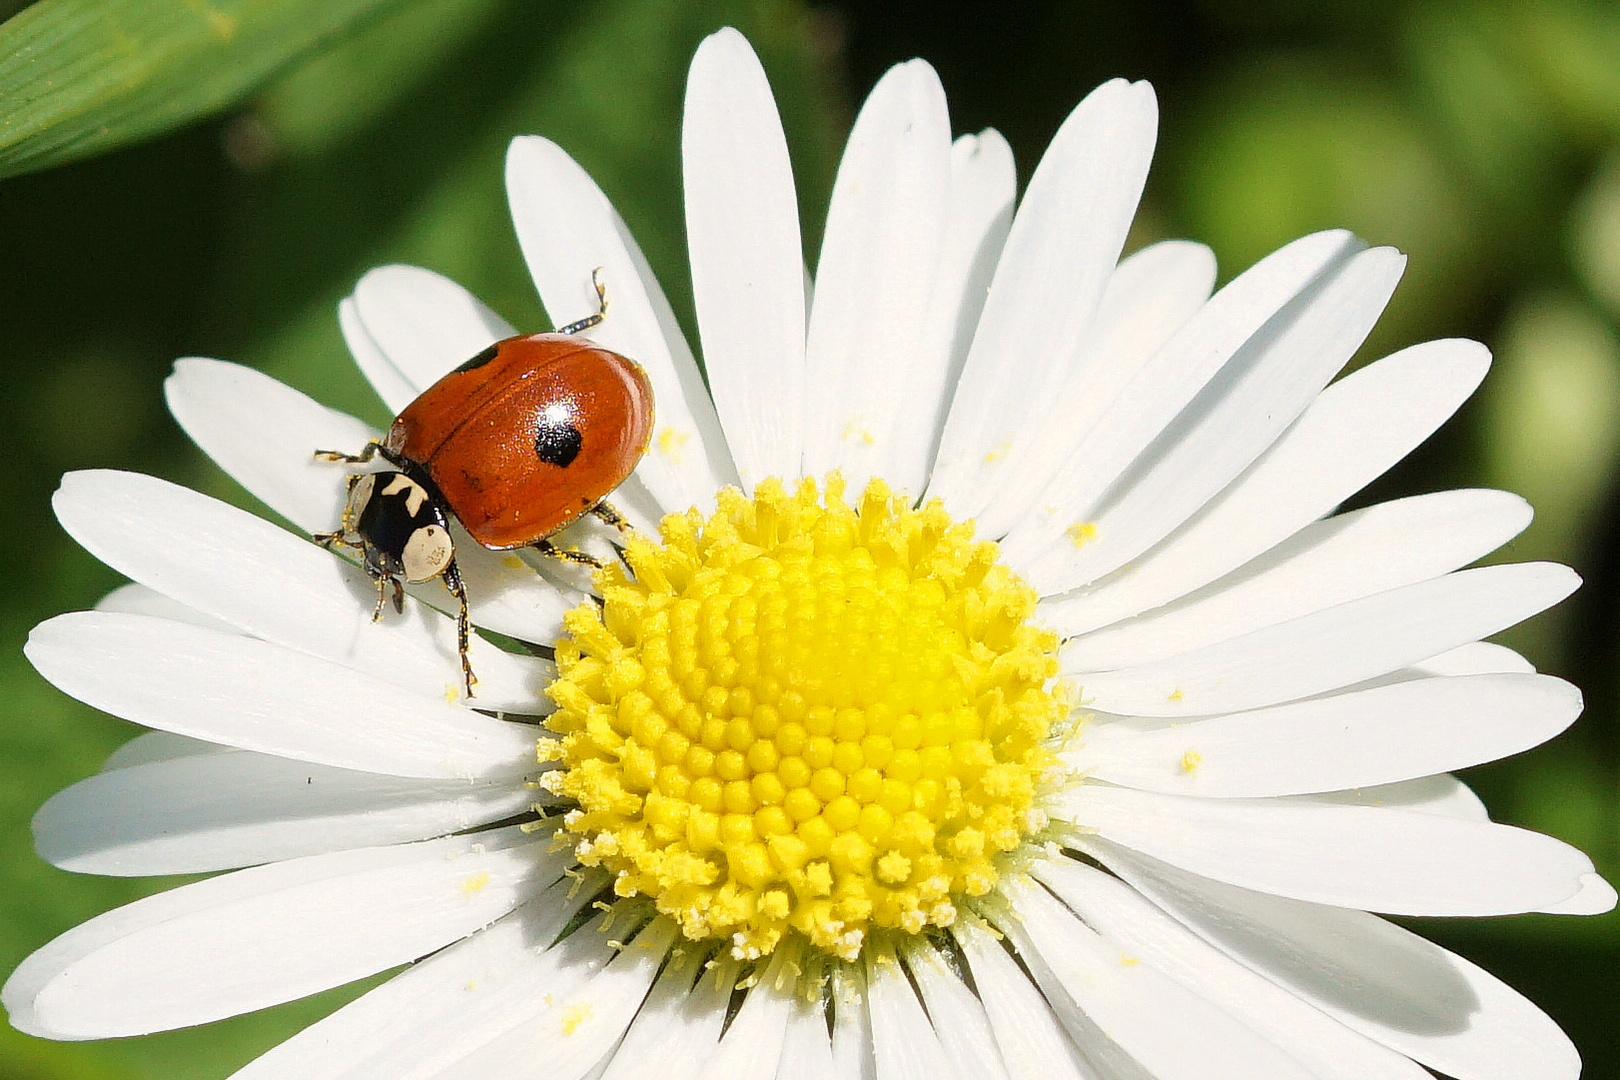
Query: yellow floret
x=801 y=715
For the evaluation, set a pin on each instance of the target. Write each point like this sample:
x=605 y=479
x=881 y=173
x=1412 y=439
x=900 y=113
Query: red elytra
x=528 y=435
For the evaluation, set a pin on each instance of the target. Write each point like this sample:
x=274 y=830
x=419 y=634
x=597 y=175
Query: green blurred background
x=1482 y=138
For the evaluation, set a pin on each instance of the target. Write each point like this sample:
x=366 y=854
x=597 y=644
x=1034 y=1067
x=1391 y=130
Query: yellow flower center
x=802 y=715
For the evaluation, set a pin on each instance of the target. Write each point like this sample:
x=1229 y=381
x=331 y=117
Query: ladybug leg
x=382 y=581
x=452 y=581
x=601 y=307
x=604 y=510
x=552 y=551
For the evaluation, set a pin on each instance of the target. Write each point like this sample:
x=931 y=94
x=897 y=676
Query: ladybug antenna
x=601 y=307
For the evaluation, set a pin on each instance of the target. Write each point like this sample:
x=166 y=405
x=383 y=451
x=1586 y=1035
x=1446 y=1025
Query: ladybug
x=520 y=441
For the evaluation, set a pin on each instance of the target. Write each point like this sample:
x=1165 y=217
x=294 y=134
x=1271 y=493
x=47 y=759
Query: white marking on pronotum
x=415 y=494
x=426 y=553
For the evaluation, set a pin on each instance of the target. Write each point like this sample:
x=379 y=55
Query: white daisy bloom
x=828 y=785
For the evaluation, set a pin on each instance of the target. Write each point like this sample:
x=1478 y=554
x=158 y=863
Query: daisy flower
x=990 y=689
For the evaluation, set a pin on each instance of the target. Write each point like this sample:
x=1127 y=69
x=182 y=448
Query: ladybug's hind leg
x=552 y=551
x=604 y=511
x=452 y=581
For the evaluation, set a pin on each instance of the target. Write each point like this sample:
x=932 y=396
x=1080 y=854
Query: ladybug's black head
x=402 y=526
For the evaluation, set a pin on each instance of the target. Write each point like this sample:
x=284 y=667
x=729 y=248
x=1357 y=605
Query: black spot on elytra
x=557 y=444
x=481 y=359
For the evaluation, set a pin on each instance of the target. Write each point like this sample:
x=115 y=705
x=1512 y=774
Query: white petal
x=1376 y=858
x=742 y=228
x=567 y=229
x=217 y=811
x=679 y=1025
x=806 y=1048
x=158 y=746
x=257 y=937
x=751 y=1048
x=1150 y=296
x=903 y=1040
x=1243 y=409
x=1064 y=243
x=575 y=1029
x=136 y=599
x=1371 y=975
x=1337 y=647
x=395 y=389
x=424 y=323
x=1355 y=430
x=983 y=185
x=1443 y=794
x=1475 y=658
x=1032 y=1045
x=1597 y=897
x=262 y=580
x=457 y=999
x=1359 y=739
x=1133 y=925
x=852 y=1029
x=229 y=689
x=962 y=1025
x=886 y=228
x=1175 y=1031
x=265 y=435
x=1331 y=562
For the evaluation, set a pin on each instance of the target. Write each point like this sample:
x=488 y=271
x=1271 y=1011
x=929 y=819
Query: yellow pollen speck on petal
x=856 y=431
x=512 y=562
x=575 y=1015
x=1082 y=533
x=1126 y=960
x=475 y=883
x=670 y=443
x=998 y=452
x=1175 y=695
x=805 y=718
x=1190 y=761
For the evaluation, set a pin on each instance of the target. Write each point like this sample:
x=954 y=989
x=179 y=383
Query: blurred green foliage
x=1483 y=138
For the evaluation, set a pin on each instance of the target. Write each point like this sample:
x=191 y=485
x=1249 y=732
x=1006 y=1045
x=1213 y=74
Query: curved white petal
x=221 y=947
x=225 y=688
x=1355 y=430
x=153 y=746
x=962 y=1025
x=1374 y=977
x=903 y=1038
x=1330 y=562
x=751 y=1048
x=742 y=228
x=1032 y=1045
x=243 y=570
x=1150 y=296
x=218 y=811
x=136 y=599
x=1127 y=424
x=1339 y=646
x=983 y=186
x=886 y=228
x=1175 y=1032
x=437 y=1010
x=567 y=228
x=1128 y=921
x=1359 y=739
x=852 y=1029
x=1064 y=243
x=391 y=384
x=1441 y=794
x=424 y=323
x=678 y=1026
x=1375 y=858
x=569 y=1033
x=1597 y=897
x=1231 y=421
x=265 y=435
x=1475 y=658
x=807 y=1048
